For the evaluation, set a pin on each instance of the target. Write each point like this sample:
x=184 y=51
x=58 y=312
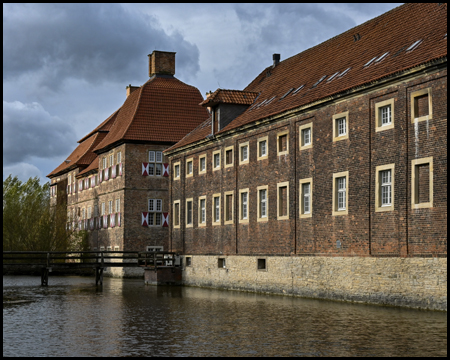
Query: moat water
x=71 y=317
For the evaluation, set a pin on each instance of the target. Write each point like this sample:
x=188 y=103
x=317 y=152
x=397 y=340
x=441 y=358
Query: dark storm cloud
x=30 y=131
x=93 y=42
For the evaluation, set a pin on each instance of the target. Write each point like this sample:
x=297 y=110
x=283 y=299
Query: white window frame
x=189 y=167
x=189 y=224
x=119 y=157
x=379 y=106
x=213 y=160
x=155 y=209
x=216 y=204
x=336 y=118
x=263 y=204
x=301 y=130
x=200 y=171
x=260 y=141
x=155 y=165
x=244 y=149
x=176 y=170
x=242 y=219
x=302 y=196
x=336 y=209
x=202 y=211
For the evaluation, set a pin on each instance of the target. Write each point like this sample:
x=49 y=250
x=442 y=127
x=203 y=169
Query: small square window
x=221 y=263
x=188 y=261
x=384 y=115
x=421 y=105
x=262 y=264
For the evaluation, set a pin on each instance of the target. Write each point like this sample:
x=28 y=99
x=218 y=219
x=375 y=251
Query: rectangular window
x=104 y=163
x=158 y=156
x=103 y=209
x=305 y=132
x=243 y=153
x=229 y=156
x=119 y=157
x=386 y=117
x=202 y=211
x=263 y=203
x=386 y=186
x=228 y=207
x=422 y=183
x=89 y=212
x=261 y=264
x=189 y=220
x=221 y=263
x=216 y=160
x=283 y=200
x=243 y=206
x=176 y=214
x=158 y=169
x=202 y=166
x=262 y=148
x=189 y=167
x=305 y=198
x=154 y=166
x=421 y=105
x=111 y=160
x=340 y=193
x=154 y=212
x=117 y=205
x=340 y=125
x=282 y=143
x=384 y=112
x=176 y=171
x=110 y=207
x=216 y=209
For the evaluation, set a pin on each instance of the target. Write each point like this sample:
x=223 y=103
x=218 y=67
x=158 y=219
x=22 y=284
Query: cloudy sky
x=66 y=66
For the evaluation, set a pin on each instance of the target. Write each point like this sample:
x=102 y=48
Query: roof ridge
x=138 y=102
x=94 y=136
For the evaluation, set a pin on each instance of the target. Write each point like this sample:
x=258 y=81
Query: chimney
x=276 y=59
x=130 y=89
x=161 y=63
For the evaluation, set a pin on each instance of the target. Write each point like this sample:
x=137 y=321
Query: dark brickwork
x=404 y=231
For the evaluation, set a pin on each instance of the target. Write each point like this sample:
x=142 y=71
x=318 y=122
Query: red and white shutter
x=165 y=219
x=118 y=219
x=92 y=181
x=100 y=176
x=113 y=172
x=120 y=169
x=106 y=174
x=112 y=220
x=165 y=169
x=144 y=221
x=105 y=221
x=91 y=224
x=144 y=169
x=79 y=224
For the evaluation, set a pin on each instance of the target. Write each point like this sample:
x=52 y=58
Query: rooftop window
x=413 y=46
x=269 y=101
x=382 y=57
x=344 y=72
x=320 y=80
x=369 y=62
x=298 y=89
x=287 y=93
x=332 y=76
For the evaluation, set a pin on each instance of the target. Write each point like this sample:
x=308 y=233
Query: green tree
x=31 y=224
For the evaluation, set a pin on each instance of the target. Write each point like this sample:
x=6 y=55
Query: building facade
x=115 y=183
x=326 y=176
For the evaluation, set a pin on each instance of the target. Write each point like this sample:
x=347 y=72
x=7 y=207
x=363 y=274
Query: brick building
x=333 y=161
x=115 y=183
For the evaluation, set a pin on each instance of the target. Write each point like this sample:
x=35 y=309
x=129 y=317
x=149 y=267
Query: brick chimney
x=276 y=59
x=130 y=89
x=161 y=63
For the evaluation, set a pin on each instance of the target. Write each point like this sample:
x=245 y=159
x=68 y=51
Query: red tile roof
x=104 y=126
x=92 y=166
x=164 y=109
x=392 y=33
x=230 y=97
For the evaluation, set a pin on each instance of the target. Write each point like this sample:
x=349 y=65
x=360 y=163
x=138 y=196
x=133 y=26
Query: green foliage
x=31 y=224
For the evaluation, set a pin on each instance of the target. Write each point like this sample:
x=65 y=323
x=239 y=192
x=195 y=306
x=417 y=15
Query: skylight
x=271 y=100
x=298 y=89
x=332 y=76
x=382 y=57
x=369 y=62
x=320 y=80
x=287 y=93
x=413 y=46
x=344 y=72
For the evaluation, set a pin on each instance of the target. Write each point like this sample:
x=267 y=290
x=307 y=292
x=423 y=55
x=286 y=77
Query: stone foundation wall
x=409 y=282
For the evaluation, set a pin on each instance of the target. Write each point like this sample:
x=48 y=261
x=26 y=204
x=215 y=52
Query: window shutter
x=113 y=171
x=120 y=169
x=100 y=176
x=165 y=219
x=106 y=174
x=144 y=221
x=118 y=219
x=113 y=220
x=165 y=169
x=144 y=169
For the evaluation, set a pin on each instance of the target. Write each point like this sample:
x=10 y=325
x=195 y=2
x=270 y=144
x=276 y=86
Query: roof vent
x=356 y=37
x=67 y=161
x=276 y=59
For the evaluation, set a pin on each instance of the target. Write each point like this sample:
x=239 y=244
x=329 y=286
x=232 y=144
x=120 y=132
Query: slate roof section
x=230 y=97
x=164 y=109
x=392 y=32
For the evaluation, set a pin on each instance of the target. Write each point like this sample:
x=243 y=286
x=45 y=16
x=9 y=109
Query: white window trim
x=220 y=160
x=213 y=219
x=246 y=220
x=200 y=224
x=378 y=120
x=200 y=171
x=154 y=211
x=300 y=132
x=266 y=139
x=242 y=145
x=336 y=117
x=282 y=184
x=301 y=200
x=225 y=194
x=259 y=218
x=232 y=156
x=335 y=211
x=286 y=132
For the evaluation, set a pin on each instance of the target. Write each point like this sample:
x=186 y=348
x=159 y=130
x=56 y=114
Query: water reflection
x=72 y=318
